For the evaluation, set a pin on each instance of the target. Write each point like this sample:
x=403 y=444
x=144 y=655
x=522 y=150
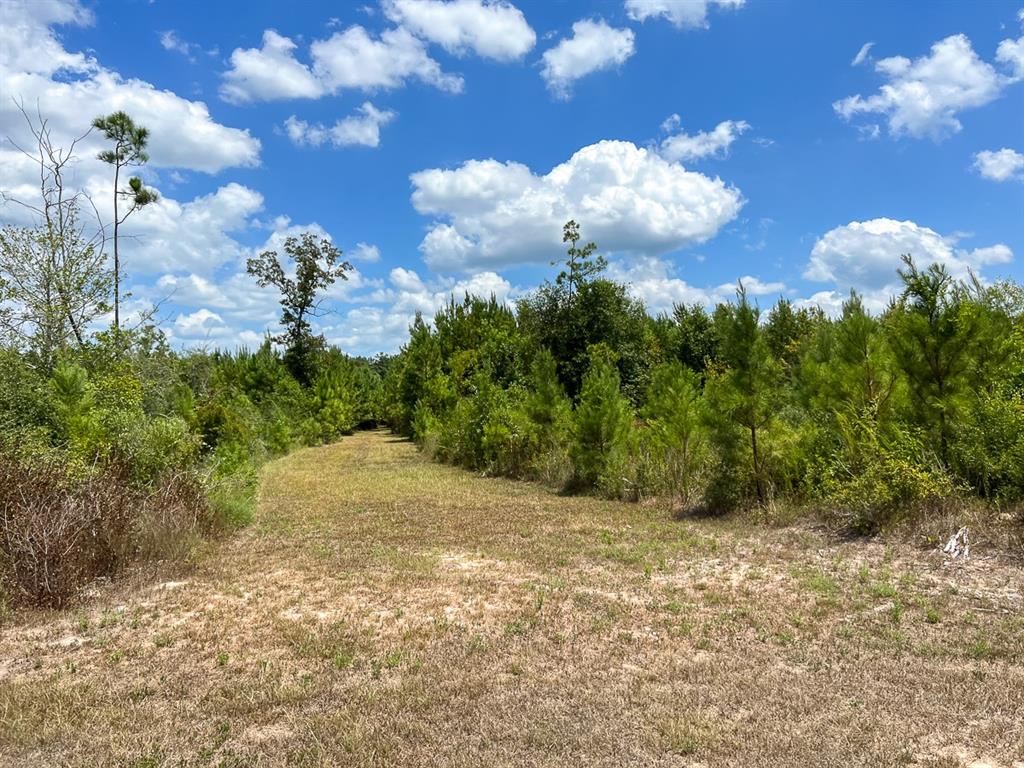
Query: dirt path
x=384 y=610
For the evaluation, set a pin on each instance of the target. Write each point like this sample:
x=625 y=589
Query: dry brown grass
x=384 y=610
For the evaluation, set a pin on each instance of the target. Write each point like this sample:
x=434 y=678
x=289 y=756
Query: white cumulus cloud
x=366 y=252
x=653 y=281
x=169 y=235
x=362 y=128
x=865 y=255
x=594 y=46
x=924 y=97
x=714 y=143
x=268 y=73
x=354 y=59
x=351 y=59
x=1000 y=165
x=685 y=14
x=382 y=321
x=70 y=89
x=626 y=198
x=494 y=30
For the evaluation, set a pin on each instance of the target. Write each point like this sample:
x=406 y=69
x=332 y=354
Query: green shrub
x=988 y=449
x=426 y=430
x=24 y=399
x=635 y=470
x=158 y=446
x=885 y=492
x=232 y=497
x=510 y=438
x=76 y=414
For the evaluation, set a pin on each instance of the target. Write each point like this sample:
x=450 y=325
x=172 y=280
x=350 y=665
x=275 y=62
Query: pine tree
x=129 y=150
x=751 y=384
x=676 y=412
x=697 y=343
x=603 y=419
x=848 y=368
x=546 y=404
x=580 y=263
x=786 y=331
x=934 y=340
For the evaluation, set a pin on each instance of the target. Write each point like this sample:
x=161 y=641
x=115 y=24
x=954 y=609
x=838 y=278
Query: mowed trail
x=385 y=610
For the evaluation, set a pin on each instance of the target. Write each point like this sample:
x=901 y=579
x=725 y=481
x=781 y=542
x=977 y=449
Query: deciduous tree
x=317 y=266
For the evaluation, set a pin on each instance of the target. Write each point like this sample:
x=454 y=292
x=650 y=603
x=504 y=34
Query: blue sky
x=799 y=146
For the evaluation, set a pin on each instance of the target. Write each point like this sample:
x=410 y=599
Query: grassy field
x=384 y=610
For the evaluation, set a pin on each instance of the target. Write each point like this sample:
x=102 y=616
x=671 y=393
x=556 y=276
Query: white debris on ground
x=959 y=545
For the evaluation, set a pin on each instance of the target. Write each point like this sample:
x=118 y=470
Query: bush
x=172 y=516
x=885 y=492
x=550 y=414
x=634 y=471
x=510 y=438
x=159 y=446
x=232 y=499
x=56 y=533
x=76 y=413
x=426 y=430
x=23 y=396
x=60 y=529
x=334 y=404
x=989 y=446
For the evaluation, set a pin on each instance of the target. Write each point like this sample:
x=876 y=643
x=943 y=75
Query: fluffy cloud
x=715 y=143
x=652 y=280
x=365 y=252
x=494 y=30
x=169 y=235
x=71 y=88
x=27 y=41
x=187 y=257
x=594 y=46
x=267 y=73
x=367 y=330
x=236 y=298
x=1011 y=53
x=866 y=254
x=362 y=128
x=382 y=322
x=685 y=14
x=924 y=97
x=1002 y=165
x=200 y=324
x=626 y=198
x=353 y=59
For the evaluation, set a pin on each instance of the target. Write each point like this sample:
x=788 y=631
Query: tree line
x=867 y=416
x=113 y=445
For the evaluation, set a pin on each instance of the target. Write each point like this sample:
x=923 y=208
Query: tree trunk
x=117 y=260
x=758 y=480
